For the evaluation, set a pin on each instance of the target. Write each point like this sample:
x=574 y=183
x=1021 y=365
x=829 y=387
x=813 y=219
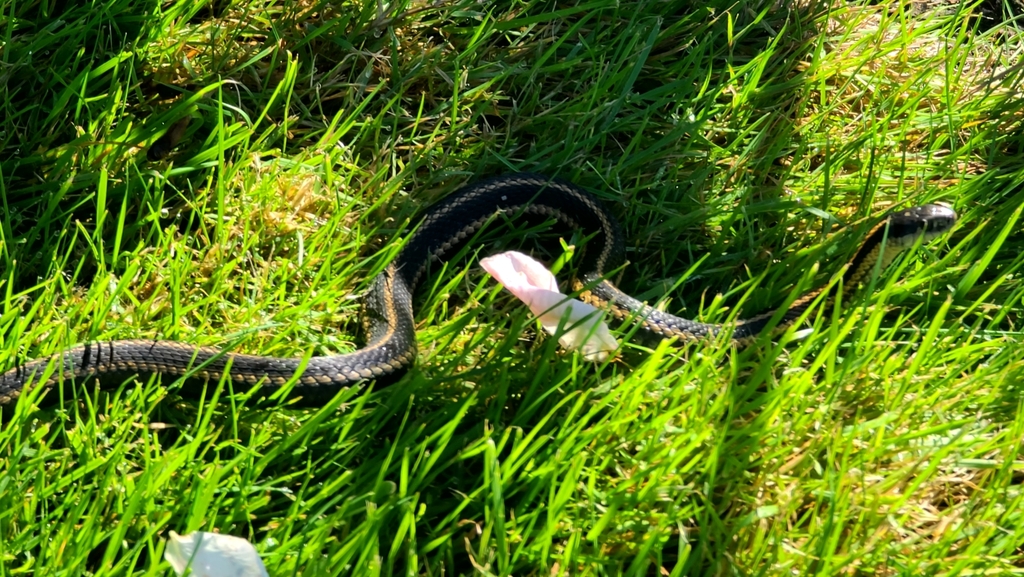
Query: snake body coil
x=388 y=311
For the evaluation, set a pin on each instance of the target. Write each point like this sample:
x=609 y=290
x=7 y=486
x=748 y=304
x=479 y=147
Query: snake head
x=927 y=221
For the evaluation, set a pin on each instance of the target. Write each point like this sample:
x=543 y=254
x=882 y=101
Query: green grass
x=754 y=139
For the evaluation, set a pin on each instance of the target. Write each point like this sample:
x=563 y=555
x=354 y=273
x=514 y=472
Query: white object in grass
x=533 y=284
x=213 y=555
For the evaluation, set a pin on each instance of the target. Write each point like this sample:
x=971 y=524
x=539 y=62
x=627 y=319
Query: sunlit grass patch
x=759 y=141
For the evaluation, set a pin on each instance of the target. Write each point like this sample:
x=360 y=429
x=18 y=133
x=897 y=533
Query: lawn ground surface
x=745 y=146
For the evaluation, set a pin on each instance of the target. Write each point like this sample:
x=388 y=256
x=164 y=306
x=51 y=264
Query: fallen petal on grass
x=532 y=283
x=213 y=555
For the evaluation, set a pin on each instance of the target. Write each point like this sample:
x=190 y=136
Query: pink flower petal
x=519 y=272
x=532 y=283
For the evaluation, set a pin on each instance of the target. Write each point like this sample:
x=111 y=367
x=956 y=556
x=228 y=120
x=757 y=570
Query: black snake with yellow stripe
x=388 y=310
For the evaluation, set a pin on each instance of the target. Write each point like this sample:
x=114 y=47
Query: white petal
x=213 y=555
x=533 y=284
x=584 y=327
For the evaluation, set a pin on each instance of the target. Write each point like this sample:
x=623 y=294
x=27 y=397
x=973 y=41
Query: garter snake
x=388 y=310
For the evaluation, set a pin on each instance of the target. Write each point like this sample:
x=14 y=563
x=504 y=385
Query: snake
x=388 y=316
